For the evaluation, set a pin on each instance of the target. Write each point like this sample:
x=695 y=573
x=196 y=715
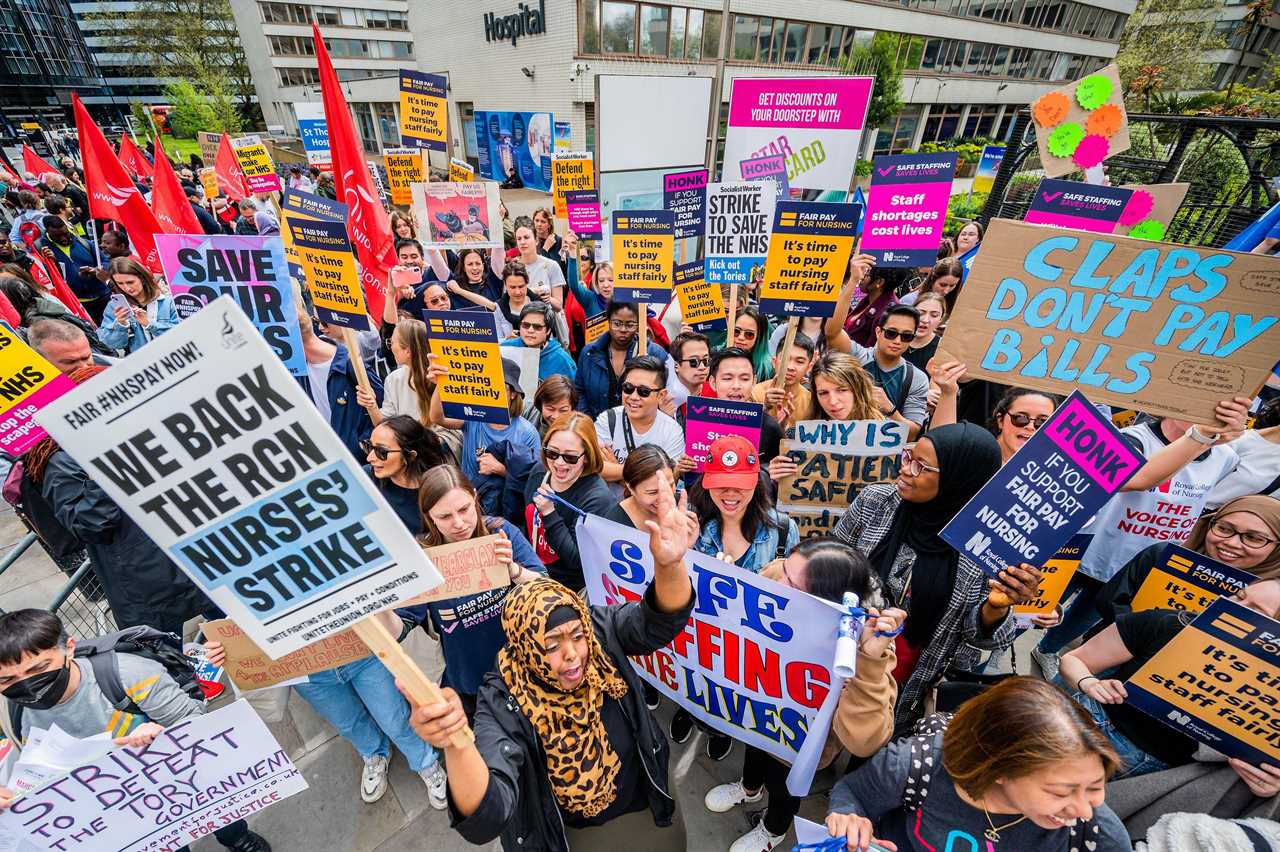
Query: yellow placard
x=324 y=253
x=424 y=110
x=255 y=162
x=1055 y=574
x=209 y=182
x=643 y=248
x=701 y=301
x=1184 y=579
x=27 y=383
x=460 y=172
x=475 y=388
x=404 y=168
x=570 y=170
x=808 y=255
x=597 y=325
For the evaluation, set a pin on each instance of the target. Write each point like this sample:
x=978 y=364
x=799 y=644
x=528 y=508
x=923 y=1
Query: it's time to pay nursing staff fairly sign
x=205 y=440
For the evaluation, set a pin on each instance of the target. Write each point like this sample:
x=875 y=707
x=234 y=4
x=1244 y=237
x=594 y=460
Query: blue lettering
x=1008 y=287
x=1125 y=306
x=1245 y=330
x=757 y=603
x=1091 y=376
x=1178 y=263
x=1207 y=271
x=1003 y=355
x=1038 y=366
x=714 y=591
x=1055 y=298
x=1208 y=335
x=1062 y=370
x=1085 y=277
x=1037 y=262
x=1080 y=314
x=957 y=835
x=626 y=561
x=1137 y=364
x=1182 y=316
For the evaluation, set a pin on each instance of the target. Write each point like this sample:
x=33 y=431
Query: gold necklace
x=993 y=833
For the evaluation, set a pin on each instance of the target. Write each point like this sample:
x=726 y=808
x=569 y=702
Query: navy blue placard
x=1071 y=204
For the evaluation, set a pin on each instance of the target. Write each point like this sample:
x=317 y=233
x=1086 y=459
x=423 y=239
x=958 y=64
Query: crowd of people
x=568 y=752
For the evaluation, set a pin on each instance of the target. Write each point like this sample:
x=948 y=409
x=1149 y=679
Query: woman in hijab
x=1243 y=533
x=566 y=755
x=948 y=599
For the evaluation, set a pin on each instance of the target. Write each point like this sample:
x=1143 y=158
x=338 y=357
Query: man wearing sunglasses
x=691 y=353
x=637 y=421
x=902 y=390
x=537 y=320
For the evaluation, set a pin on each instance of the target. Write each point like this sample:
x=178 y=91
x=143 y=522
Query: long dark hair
x=420 y=448
x=460 y=268
x=759 y=512
x=1008 y=398
x=834 y=568
x=19 y=293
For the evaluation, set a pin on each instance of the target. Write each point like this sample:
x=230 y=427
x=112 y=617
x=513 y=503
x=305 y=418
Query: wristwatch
x=1199 y=437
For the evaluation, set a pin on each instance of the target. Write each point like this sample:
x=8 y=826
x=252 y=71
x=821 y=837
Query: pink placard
x=832 y=103
x=1088 y=440
x=18 y=431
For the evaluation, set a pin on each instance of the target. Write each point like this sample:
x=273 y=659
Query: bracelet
x=1199 y=437
x=1080 y=682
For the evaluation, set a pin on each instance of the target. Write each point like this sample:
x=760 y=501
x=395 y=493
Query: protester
x=475 y=282
x=298 y=180
x=113 y=243
x=751 y=334
x=874 y=288
x=563 y=484
x=402 y=227
x=76 y=261
x=566 y=756
x=593 y=289
x=41 y=674
x=691 y=359
x=1258 y=471
x=863 y=719
x=970 y=235
x=1018 y=416
x=332 y=384
x=948 y=598
x=546 y=278
x=195 y=197
x=537 y=319
x=601 y=363
x=30 y=305
x=325 y=187
x=637 y=421
x=943 y=279
x=586 y=256
x=247 y=225
x=555 y=396
x=406 y=388
x=399 y=452
x=732 y=377
x=789 y=402
x=902 y=389
x=146 y=314
x=30 y=214
x=59 y=185
x=643 y=487
x=932 y=316
x=550 y=245
x=63 y=344
x=10 y=253
x=264 y=219
x=1021 y=765
x=515 y=295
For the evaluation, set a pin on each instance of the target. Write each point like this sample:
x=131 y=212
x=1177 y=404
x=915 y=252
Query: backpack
x=140 y=641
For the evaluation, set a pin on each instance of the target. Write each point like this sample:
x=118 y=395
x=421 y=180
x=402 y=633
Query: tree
x=879 y=58
x=1257 y=14
x=189 y=111
x=1162 y=47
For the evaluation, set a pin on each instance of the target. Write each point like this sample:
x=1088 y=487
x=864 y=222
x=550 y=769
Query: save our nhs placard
x=1166 y=329
x=907 y=207
x=206 y=441
x=1049 y=489
x=744 y=665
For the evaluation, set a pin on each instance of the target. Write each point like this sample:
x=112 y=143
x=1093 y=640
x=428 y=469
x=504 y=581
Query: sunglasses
x=380 y=453
x=532 y=326
x=585 y=258
x=644 y=391
x=914 y=467
x=894 y=334
x=1020 y=420
x=696 y=362
x=745 y=335
x=567 y=458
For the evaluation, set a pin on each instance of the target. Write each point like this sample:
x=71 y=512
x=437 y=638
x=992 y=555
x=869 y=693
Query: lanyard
x=628 y=438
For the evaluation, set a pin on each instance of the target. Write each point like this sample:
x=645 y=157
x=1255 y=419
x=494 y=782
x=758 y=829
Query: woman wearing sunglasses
x=568 y=473
x=399 y=451
x=1018 y=415
x=751 y=333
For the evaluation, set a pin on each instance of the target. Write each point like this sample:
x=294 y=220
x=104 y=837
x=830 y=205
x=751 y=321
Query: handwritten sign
x=685 y=195
x=404 y=168
x=468 y=567
x=643 y=252
x=907 y=207
x=836 y=459
x=1188 y=580
x=256 y=164
x=808 y=256
x=324 y=253
x=475 y=388
x=1081 y=124
x=424 y=109
x=739 y=219
x=27 y=383
x=708 y=419
x=701 y=302
x=249 y=667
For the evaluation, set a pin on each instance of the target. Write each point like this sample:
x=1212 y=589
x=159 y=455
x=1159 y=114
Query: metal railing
x=81 y=603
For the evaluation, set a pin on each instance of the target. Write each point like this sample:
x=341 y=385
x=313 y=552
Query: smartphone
x=117 y=302
x=405 y=276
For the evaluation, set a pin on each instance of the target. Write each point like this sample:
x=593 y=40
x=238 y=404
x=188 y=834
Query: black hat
x=511 y=373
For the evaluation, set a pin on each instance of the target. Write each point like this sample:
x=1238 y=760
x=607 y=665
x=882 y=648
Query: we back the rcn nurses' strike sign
x=907 y=207
x=1049 y=489
x=205 y=440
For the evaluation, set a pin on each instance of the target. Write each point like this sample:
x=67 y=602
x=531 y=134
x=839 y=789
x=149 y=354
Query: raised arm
x=438 y=370
x=1168 y=460
x=837 y=338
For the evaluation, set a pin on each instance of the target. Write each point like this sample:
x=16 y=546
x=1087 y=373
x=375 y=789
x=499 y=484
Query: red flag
x=367 y=222
x=133 y=160
x=34 y=163
x=112 y=194
x=231 y=181
x=49 y=274
x=169 y=200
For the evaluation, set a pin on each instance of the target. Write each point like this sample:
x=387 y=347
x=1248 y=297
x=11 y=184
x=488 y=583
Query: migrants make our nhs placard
x=1047 y=491
x=907 y=207
x=1166 y=329
x=205 y=440
x=755 y=661
x=739 y=219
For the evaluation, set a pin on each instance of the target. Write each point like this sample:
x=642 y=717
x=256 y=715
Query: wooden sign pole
x=643 y=329
x=784 y=352
x=357 y=361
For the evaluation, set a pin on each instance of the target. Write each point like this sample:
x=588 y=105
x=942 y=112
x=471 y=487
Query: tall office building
x=43 y=59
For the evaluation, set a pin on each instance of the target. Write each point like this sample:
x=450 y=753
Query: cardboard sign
x=1165 y=329
x=205 y=440
x=830 y=479
x=815 y=122
x=582 y=211
x=1050 y=488
x=755 y=660
x=209 y=143
x=597 y=324
x=1151 y=210
x=199 y=774
x=708 y=418
x=458 y=215
x=769 y=167
x=815 y=523
x=249 y=667
x=460 y=171
x=209 y=182
x=701 y=302
x=808 y=257
x=255 y=162
x=1188 y=580
x=685 y=195
x=570 y=171
x=1216 y=682
x=252 y=270
x=314 y=131
x=1083 y=206
x=469 y=568
x=475 y=388
x=1055 y=574
x=984 y=177
x=27 y=383
x=327 y=262
x=643 y=252
x=424 y=110
x=907 y=207
x=739 y=220
x=1081 y=124
x=404 y=168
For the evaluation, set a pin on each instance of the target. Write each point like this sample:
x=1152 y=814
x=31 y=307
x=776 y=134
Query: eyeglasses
x=1251 y=540
x=624 y=326
x=643 y=391
x=380 y=452
x=894 y=334
x=1020 y=420
x=914 y=467
x=696 y=362
x=746 y=334
x=532 y=326
x=567 y=458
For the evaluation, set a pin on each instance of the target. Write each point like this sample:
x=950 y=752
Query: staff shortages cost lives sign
x=206 y=441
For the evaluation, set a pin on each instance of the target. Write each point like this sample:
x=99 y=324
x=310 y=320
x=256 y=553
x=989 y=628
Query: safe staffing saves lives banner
x=205 y=440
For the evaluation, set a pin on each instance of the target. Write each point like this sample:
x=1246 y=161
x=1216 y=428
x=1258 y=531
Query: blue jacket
x=82 y=254
x=348 y=419
x=594 y=372
x=133 y=336
x=554 y=360
x=767 y=545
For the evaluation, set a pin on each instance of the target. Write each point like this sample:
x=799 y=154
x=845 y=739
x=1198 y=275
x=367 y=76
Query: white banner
x=741 y=666
x=206 y=441
x=199 y=775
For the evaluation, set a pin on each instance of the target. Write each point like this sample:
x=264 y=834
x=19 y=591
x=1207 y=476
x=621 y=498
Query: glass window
x=350 y=18
x=387 y=124
x=677 y=34
x=693 y=50
x=913 y=51
x=778 y=35
x=618 y=27
x=797 y=34
x=931 y=57
x=655 y=30
x=364 y=124
x=375 y=19
x=833 y=54
x=327 y=16
x=999 y=58
x=589 y=15
x=977 y=59
x=764 y=39
x=819 y=39
x=397 y=21
x=711 y=35
x=744 y=37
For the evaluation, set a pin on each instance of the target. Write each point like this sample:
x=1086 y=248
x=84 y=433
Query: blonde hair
x=412 y=333
x=582 y=426
x=843 y=369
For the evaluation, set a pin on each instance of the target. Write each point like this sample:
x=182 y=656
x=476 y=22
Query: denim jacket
x=764 y=547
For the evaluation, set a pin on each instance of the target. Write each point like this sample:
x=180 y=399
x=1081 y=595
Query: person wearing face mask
x=732 y=377
x=601 y=362
x=41 y=675
x=1019 y=767
x=570 y=472
x=534 y=332
x=637 y=421
x=566 y=756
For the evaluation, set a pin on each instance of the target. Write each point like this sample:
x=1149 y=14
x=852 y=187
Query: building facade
x=43 y=59
x=1245 y=58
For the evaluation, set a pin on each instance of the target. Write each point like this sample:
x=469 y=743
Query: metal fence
x=80 y=603
x=1229 y=163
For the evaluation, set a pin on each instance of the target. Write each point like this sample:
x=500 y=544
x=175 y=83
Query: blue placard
x=1071 y=204
x=685 y=195
x=520 y=140
x=315 y=206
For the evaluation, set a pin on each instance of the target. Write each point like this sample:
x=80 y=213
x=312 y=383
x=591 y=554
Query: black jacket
x=591 y=495
x=1116 y=597
x=519 y=805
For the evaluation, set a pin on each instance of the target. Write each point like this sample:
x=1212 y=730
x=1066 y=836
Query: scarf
x=581 y=763
x=968 y=456
x=1267 y=509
